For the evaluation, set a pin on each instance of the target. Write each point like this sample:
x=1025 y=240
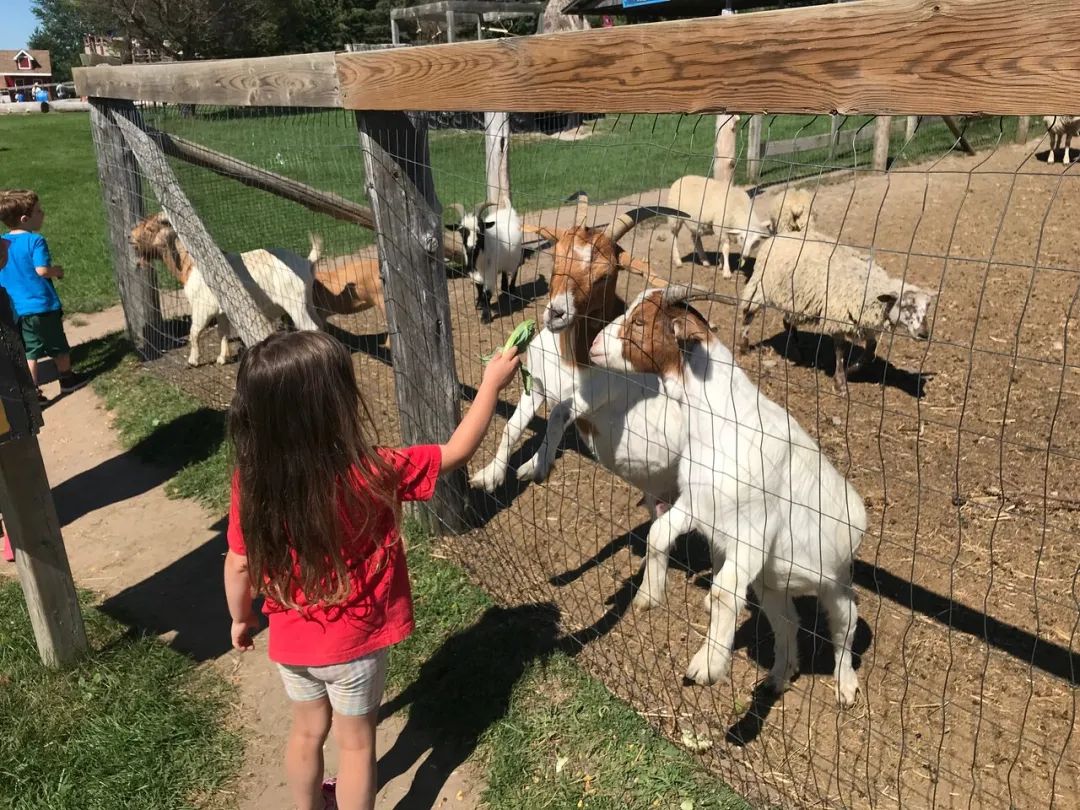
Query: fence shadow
x=184 y=598
x=152 y=461
x=461 y=691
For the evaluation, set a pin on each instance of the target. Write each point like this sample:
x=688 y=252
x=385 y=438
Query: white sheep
x=714 y=206
x=815 y=281
x=1061 y=128
x=493 y=248
x=279 y=281
x=778 y=516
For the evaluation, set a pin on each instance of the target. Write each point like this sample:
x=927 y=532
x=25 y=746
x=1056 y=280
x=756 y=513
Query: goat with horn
x=493 y=248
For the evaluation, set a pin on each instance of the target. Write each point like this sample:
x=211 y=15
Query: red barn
x=23 y=69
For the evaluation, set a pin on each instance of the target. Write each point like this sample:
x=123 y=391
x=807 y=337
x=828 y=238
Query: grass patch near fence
x=53 y=154
x=133 y=725
x=476 y=675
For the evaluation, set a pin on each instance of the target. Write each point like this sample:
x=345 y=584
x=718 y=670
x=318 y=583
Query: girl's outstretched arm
x=466 y=439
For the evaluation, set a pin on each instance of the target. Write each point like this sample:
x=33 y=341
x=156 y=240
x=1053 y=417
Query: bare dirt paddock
x=967 y=457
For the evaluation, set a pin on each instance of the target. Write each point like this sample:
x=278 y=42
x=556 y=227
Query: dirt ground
x=967 y=458
x=157 y=562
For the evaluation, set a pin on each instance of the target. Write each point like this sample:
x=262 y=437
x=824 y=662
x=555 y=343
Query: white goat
x=492 y=249
x=715 y=206
x=1061 y=128
x=775 y=511
x=624 y=413
x=817 y=281
x=279 y=280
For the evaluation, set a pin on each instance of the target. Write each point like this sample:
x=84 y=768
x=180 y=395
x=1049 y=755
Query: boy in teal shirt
x=28 y=280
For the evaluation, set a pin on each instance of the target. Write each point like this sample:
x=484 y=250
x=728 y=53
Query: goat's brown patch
x=654 y=333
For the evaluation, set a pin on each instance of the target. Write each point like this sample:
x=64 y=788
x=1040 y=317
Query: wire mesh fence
x=959 y=433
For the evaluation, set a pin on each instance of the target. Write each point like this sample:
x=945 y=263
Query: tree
x=60 y=30
x=554 y=20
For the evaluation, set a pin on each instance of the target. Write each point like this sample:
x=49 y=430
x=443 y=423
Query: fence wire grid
x=963 y=446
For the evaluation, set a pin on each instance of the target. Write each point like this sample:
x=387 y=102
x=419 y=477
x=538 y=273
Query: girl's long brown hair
x=302 y=448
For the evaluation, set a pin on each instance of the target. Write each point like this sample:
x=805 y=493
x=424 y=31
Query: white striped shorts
x=354 y=688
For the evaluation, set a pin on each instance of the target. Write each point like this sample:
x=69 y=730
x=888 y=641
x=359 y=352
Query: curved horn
x=582 y=210
x=684 y=294
x=459 y=208
x=635 y=216
x=484 y=206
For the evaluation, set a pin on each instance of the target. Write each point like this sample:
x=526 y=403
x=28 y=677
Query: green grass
x=54 y=155
x=133 y=725
x=474 y=675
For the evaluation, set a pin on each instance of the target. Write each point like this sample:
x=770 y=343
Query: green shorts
x=44 y=335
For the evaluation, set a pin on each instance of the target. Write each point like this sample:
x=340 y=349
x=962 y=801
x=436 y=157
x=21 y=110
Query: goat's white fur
x=630 y=417
x=502 y=253
x=778 y=515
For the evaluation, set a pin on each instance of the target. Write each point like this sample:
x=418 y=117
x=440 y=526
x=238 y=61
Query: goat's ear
x=639 y=267
x=550 y=234
x=887 y=298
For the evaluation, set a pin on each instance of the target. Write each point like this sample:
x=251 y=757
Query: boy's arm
x=52 y=271
x=470 y=432
x=43 y=264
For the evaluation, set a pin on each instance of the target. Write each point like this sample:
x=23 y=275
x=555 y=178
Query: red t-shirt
x=378 y=610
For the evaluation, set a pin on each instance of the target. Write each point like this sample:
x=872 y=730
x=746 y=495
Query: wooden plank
x=881 y=142
x=497 y=157
x=397 y=165
x=847 y=57
x=40 y=557
x=122 y=193
x=723 y=167
x=304 y=80
x=753 y=150
x=321 y=202
x=1022 y=125
x=231 y=291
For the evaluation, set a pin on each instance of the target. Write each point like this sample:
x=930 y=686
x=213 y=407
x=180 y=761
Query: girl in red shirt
x=313 y=526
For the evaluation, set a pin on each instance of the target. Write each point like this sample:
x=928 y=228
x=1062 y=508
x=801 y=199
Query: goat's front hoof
x=485 y=317
x=488 y=479
x=728 y=274
x=847 y=689
x=193 y=361
x=221 y=360
x=707 y=666
x=780 y=679
x=646 y=599
x=532 y=470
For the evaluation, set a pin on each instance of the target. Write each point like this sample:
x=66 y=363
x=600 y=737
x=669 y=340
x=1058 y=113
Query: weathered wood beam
x=909 y=57
x=122 y=193
x=304 y=80
x=397 y=166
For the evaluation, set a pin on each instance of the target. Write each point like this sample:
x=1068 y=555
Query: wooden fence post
x=723 y=167
x=753 y=150
x=910 y=126
x=497 y=157
x=1022 y=124
x=29 y=511
x=408 y=219
x=234 y=297
x=121 y=191
x=834 y=134
x=881 y=142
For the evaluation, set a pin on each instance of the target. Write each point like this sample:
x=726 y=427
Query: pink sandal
x=9 y=553
x=329 y=792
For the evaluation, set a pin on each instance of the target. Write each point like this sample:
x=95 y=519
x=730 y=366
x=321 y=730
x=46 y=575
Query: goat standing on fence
x=629 y=415
x=777 y=514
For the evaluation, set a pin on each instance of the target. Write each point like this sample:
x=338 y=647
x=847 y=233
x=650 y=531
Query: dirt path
x=157 y=561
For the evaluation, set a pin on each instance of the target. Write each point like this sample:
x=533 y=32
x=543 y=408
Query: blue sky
x=16 y=23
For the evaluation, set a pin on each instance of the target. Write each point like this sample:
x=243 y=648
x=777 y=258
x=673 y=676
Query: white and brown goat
x=279 y=281
x=624 y=409
x=777 y=514
x=347 y=285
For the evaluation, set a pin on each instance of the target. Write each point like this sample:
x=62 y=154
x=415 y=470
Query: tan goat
x=346 y=285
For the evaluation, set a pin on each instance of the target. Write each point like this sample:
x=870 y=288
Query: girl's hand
x=241 y=633
x=500 y=371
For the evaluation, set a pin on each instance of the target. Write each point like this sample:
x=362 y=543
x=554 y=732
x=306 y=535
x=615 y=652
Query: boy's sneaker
x=41 y=398
x=71 y=382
